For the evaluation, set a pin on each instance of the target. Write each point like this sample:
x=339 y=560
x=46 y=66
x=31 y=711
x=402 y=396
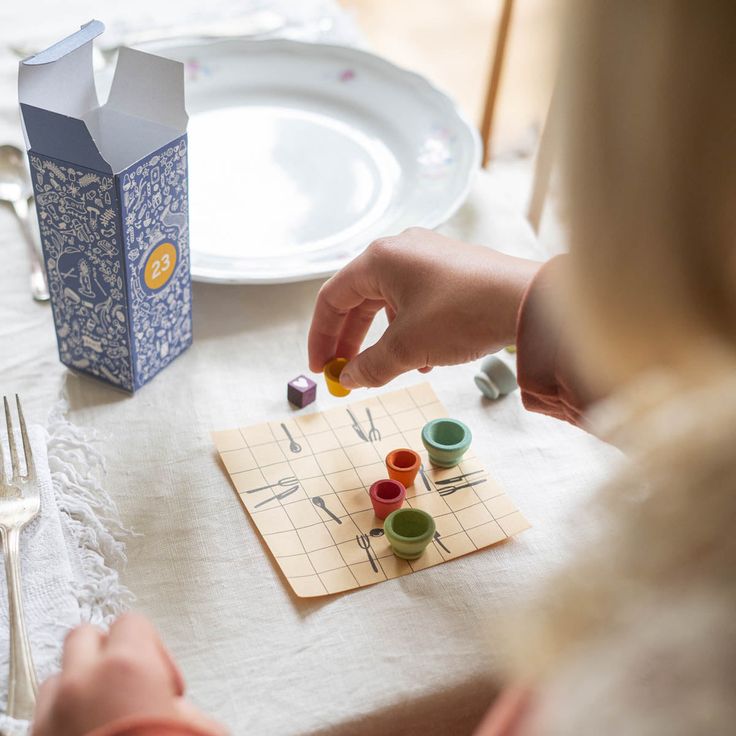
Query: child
x=637 y=635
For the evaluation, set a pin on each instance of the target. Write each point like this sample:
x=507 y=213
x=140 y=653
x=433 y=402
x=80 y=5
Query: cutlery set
x=374 y=434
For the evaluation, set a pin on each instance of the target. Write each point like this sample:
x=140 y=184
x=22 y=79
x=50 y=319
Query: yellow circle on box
x=159 y=266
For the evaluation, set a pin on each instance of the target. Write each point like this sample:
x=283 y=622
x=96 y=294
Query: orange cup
x=403 y=465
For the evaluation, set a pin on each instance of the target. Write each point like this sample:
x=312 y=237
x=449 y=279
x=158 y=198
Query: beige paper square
x=345 y=480
x=362 y=454
x=354 y=501
x=326 y=559
x=302 y=514
x=323 y=441
x=489 y=533
x=347 y=437
x=359 y=408
x=422 y=394
x=500 y=506
x=279 y=473
x=316 y=486
x=365 y=573
x=367 y=520
x=315 y=537
x=458 y=544
x=258 y=434
x=228 y=439
x=411 y=419
x=433 y=411
x=432 y=503
x=343 y=532
x=295 y=566
x=305 y=467
x=308 y=587
x=488 y=490
x=413 y=440
x=248 y=479
x=285 y=543
x=336 y=581
x=431 y=556
x=311 y=424
x=461 y=499
x=514 y=523
x=236 y=461
x=447 y=524
x=351 y=552
x=268 y=454
x=337 y=417
x=473 y=516
x=271 y=521
x=396 y=402
x=369 y=474
x=394 y=567
x=333 y=461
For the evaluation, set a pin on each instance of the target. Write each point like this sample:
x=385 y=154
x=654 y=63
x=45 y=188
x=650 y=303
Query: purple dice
x=301 y=391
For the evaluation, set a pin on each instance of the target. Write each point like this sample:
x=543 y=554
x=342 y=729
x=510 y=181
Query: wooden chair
x=545 y=151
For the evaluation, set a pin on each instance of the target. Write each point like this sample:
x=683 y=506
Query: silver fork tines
x=19 y=503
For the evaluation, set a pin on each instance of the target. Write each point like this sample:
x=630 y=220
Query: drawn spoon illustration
x=437 y=539
x=294 y=446
x=356 y=426
x=320 y=503
x=374 y=435
x=376 y=532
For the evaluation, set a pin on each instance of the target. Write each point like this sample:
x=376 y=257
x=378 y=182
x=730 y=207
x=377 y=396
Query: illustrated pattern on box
x=156 y=222
x=305 y=483
x=82 y=245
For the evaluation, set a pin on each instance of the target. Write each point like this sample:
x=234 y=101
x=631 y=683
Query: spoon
x=320 y=503
x=15 y=190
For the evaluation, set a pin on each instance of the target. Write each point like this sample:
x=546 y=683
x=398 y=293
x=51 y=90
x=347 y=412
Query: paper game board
x=304 y=482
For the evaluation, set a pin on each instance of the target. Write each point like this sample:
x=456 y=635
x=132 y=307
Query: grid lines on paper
x=328 y=457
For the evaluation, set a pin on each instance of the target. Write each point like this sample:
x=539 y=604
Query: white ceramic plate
x=301 y=154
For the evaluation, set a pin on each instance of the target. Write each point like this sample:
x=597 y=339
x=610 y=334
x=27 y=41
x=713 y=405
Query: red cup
x=387 y=495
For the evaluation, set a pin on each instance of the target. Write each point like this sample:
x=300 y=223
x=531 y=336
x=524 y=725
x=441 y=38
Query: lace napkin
x=69 y=554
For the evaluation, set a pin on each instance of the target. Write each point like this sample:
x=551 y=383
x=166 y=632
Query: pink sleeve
x=150 y=726
x=507 y=714
x=546 y=378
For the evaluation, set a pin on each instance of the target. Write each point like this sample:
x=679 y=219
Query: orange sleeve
x=547 y=380
x=150 y=726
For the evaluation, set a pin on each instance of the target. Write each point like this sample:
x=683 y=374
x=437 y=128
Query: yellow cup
x=332 y=372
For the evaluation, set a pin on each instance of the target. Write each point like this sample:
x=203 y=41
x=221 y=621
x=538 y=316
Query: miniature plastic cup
x=409 y=531
x=403 y=465
x=495 y=378
x=446 y=440
x=332 y=371
x=387 y=496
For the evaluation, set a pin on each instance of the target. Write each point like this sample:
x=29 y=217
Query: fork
x=364 y=542
x=374 y=435
x=19 y=503
x=283 y=483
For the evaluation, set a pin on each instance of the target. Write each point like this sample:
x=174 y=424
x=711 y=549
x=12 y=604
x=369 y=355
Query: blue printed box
x=110 y=183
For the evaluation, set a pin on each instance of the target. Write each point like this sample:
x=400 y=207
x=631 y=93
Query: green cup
x=446 y=440
x=409 y=531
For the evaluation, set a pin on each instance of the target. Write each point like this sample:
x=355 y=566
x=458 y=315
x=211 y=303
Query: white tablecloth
x=414 y=655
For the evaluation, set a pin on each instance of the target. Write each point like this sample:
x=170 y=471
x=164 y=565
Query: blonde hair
x=650 y=177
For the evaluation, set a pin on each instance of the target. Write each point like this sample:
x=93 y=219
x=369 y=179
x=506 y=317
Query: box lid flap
x=61 y=79
x=150 y=87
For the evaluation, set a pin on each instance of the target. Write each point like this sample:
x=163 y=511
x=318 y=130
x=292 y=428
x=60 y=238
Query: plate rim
x=432 y=220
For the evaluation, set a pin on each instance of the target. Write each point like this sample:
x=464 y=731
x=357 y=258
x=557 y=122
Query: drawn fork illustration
x=364 y=542
x=283 y=483
x=449 y=490
x=374 y=435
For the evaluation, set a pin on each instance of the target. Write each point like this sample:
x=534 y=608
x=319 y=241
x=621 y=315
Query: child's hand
x=105 y=677
x=447 y=302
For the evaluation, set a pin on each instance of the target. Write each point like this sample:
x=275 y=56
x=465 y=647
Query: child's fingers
x=345 y=291
x=82 y=647
x=382 y=362
x=355 y=328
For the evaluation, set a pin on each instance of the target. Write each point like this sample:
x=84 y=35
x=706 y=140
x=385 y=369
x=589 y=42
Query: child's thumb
x=378 y=364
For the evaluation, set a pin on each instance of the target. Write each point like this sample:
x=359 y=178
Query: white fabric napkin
x=70 y=553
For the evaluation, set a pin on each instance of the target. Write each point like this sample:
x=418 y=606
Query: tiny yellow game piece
x=332 y=372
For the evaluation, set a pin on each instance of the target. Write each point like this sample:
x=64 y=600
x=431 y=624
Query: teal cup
x=409 y=531
x=446 y=440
